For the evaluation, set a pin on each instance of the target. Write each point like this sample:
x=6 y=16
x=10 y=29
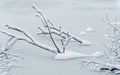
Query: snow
x=69 y=55
x=86 y=43
x=82 y=33
x=98 y=54
x=74 y=55
x=89 y=29
x=72 y=15
x=117 y=72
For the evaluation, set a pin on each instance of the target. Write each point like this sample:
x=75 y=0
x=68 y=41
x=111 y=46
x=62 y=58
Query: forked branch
x=54 y=30
x=31 y=41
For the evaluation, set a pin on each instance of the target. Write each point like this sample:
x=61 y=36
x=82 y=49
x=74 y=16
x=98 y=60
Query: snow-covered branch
x=100 y=65
x=35 y=43
x=56 y=30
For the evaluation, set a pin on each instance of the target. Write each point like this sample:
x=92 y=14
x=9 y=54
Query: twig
x=52 y=32
x=58 y=50
x=50 y=23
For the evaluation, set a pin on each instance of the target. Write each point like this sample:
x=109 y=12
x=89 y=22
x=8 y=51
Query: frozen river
x=73 y=15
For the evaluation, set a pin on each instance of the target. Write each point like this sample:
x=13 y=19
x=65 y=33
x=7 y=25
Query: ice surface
x=72 y=15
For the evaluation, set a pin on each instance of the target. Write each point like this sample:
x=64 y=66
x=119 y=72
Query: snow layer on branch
x=86 y=43
x=89 y=29
x=69 y=55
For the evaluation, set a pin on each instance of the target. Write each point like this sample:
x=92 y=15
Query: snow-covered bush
x=111 y=60
x=113 y=39
x=8 y=59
